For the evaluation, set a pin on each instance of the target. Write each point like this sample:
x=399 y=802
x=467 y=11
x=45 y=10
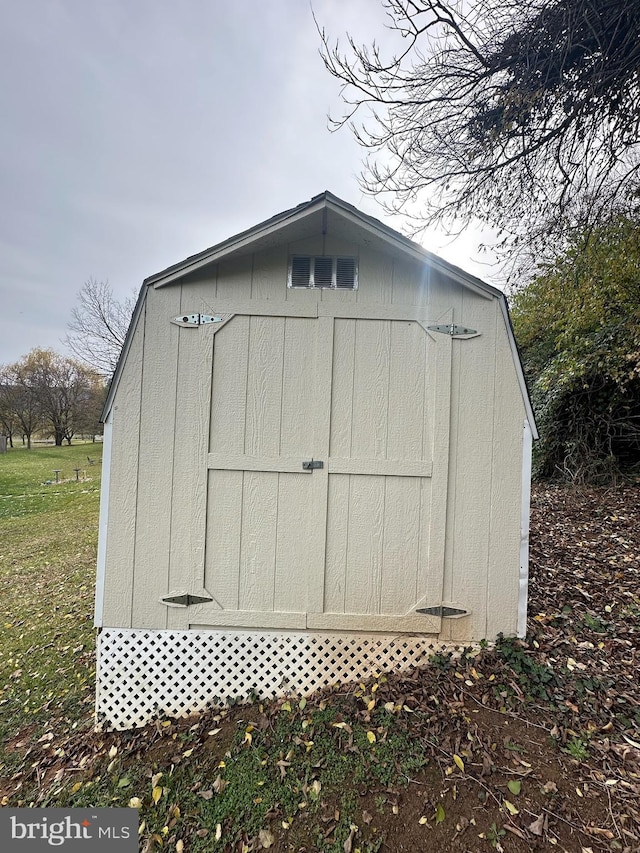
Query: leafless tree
x=98 y=326
x=523 y=116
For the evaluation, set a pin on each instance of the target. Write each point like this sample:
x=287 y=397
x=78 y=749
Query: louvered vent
x=345 y=273
x=324 y=271
x=300 y=272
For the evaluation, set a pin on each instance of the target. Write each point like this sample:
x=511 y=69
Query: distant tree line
x=46 y=393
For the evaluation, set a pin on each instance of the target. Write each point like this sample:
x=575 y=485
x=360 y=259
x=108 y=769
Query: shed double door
x=327 y=471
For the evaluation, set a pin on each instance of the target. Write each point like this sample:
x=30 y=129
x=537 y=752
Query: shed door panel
x=379 y=491
x=347 y=546
x=258 y=516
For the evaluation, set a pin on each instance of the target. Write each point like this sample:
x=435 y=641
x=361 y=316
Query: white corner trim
x=523 y=595
x=104 y=518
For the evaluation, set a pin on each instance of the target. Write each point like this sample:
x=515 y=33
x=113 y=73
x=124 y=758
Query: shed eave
x=115 y=379
x=327 y=200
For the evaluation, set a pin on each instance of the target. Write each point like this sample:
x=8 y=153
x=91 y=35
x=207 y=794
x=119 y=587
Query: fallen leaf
x=515 y=786
x=537 y=827
x=459 y=763
x=440 y=813
x=371 y=737
x=156 y=793
x=220 y=784
x=266 y=838
x=348 y=844
x=515 y=831
x=510 y=807
x=595 y=830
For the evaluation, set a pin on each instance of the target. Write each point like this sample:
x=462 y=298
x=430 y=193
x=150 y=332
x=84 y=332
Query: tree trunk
x=59 y=437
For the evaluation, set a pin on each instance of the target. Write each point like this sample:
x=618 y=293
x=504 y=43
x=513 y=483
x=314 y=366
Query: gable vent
x=324 y=271
x=345 y=273
x=300 y=272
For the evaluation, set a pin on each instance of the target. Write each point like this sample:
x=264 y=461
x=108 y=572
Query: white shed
x=316 y=465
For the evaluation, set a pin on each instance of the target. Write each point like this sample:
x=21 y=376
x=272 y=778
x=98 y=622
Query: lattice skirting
x=144 y=674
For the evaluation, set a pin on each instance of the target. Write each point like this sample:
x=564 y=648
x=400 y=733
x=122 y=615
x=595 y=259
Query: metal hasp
x=311 y=464
x=185 y=600
x=191 y=320
x=443 y=611
x=453 y=330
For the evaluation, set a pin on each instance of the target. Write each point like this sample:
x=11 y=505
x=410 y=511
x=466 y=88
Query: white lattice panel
x=143 y=675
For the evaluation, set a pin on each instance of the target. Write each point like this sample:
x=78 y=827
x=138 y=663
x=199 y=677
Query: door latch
x=311 y=464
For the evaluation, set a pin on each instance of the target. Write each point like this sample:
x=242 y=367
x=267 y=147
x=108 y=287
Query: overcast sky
x=135 y=133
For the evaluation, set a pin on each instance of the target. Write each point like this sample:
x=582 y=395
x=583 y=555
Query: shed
x=316 y=466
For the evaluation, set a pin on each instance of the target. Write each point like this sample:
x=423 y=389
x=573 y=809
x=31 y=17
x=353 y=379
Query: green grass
x=47 y=569
x=28 y=480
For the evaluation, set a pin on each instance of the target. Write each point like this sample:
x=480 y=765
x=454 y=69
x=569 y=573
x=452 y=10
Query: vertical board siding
x=269 y=274
x=229 y=387
x=224 y=533
x=234 y=278
x=336 y=560
x=506 y=483
x=191 y=442
x=264 y=386
x=298 y=388
x=473 y=411
x=410 y=282
x=155 y=461
x=284 y=387
x=377 y=555
x=344 y=343
x=401 y=545
x=406 y=410
x=258 y=544
x=375 y=275
x=296 y=523
x=370 y=389
x=260 y=522
x=363 y=585
x=123 y=489
x=320 y=414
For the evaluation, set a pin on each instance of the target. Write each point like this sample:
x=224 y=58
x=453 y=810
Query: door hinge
x=311 y=464
x=452 y=330
x=191 y=320
x=185 y=599
x=444 y=611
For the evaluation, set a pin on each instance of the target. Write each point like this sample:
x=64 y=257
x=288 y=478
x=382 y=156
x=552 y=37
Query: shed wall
x=158 y=485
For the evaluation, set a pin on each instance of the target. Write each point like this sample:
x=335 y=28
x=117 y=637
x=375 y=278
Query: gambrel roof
x=324 y=213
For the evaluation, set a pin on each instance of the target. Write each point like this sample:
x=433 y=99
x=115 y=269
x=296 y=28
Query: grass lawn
x=48 y=534
x=526 y=746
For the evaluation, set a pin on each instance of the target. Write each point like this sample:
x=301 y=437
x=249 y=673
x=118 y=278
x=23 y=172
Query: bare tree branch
x=523 y=116
x=98 y=326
